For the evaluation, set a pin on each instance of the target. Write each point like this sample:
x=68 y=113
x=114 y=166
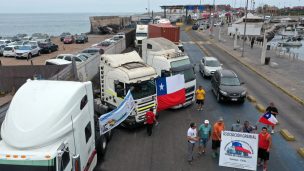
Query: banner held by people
x=112 y=119
x=170 y=91
x=239 y=150
x=268 y=119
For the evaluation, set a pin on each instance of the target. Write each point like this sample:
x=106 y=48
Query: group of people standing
x=205 y=132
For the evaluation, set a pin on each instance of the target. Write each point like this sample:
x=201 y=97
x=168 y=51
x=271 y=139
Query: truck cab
x=120 y=73
x=166 y=58
x=50 y=126
x=141 y=34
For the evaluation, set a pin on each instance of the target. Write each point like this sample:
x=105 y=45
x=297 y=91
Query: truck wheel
x=101 y=147
x=109 y=135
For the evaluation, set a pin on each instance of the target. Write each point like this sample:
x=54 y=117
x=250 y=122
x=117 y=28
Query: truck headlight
x=243 y=93
x=223 y=92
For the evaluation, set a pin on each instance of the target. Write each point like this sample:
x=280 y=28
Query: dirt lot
x=63 y=48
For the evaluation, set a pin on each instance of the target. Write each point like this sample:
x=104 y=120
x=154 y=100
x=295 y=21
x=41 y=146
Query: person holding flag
x=274 y=111
x=268 y=119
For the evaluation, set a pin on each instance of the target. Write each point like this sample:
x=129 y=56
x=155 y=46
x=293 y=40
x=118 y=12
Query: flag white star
x=161 y=86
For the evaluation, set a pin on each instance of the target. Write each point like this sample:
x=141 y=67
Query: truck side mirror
x=165 y=73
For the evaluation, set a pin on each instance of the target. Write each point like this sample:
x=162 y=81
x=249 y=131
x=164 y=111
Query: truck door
x=64 y=158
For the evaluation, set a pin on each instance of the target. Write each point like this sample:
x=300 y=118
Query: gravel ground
x=63 y=48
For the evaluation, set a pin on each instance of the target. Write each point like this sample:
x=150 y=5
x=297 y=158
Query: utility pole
x=212 y=21
x=245 y=28
x=149 y=8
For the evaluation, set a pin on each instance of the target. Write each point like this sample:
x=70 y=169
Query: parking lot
x=63 y=49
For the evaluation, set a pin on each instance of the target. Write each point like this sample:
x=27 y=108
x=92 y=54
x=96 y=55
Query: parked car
x=69 y=39
x=69 y=57
x=1 y=49
x=40 y=37
x=93 y=51
x=102 y=44
x=57 y=62
x=195 y=27
x=47 y=47
x=63 y=35
x=227 y=87
x=27 y=51
x=9 y=51
x=208 y=65
x=84 y=55
x=81 y=39
x=5 y=42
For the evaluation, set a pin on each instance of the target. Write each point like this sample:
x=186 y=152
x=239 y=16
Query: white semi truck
x=122 y=72
x=141 y=34
x=51 y=126
x=166 y=58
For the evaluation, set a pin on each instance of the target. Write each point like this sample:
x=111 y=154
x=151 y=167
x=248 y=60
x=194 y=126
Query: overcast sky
x=115 y=6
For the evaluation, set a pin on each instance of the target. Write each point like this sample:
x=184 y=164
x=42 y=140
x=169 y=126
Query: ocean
x=52 y=24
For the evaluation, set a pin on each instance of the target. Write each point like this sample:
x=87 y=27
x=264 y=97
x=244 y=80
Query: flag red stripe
x=242 y=150
x=265 y=121
x=170 y=100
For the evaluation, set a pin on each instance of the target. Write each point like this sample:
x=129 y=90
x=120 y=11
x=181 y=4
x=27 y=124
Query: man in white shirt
x=192 y=139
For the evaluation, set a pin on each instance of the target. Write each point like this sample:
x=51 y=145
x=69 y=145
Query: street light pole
x=245 y=28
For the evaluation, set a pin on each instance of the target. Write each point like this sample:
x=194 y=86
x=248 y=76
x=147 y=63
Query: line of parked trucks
x=53 y=125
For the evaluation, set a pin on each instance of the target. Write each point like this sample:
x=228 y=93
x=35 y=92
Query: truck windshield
x=141 y=34
x=188 y=74
x=25 y=165
x=175 y=64
x=143 y=89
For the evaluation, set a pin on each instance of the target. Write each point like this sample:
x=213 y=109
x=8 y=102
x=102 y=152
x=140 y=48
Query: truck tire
x=101 y=147
x=109 y=135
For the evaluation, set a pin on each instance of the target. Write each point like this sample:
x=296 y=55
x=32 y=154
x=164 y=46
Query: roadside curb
x=251 y=98
x=260 y=74
x=301 y=151
x=287 y=135
x=260 y=108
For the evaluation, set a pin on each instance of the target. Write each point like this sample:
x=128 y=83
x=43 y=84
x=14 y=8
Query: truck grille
x=139 y=42
x=142 y=108
x=189 y=97
x=190 y=89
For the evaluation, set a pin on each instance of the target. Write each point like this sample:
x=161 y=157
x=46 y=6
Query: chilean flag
x=268 y=119
x=239 y=147
x=170 y=91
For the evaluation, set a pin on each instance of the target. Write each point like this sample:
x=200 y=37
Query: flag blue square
x=161 y=86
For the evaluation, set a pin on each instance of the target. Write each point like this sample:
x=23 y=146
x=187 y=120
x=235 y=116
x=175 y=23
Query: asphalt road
x=166 y=150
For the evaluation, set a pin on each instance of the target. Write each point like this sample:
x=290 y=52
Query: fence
x=12 y=77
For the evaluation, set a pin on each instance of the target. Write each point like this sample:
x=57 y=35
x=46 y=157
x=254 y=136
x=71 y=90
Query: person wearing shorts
x=218 y=127
x=204 y=133
x=265 y=142
x=200 y=97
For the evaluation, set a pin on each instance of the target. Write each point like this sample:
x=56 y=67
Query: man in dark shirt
x=274 y=111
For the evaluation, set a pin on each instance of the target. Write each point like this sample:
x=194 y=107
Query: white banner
x=112 y=119
x=239 y=150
